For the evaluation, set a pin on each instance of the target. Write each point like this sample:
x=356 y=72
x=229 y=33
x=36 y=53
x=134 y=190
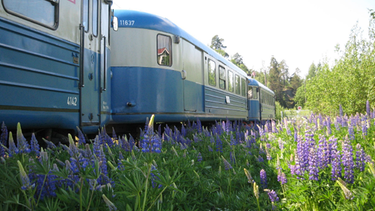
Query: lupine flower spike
x=348 y=194
x=24 y=178
x=110 y=205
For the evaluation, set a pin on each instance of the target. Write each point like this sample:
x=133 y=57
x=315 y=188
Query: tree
x=312 y=71
x=237 y=60
x=274 y=82
x=217 y=45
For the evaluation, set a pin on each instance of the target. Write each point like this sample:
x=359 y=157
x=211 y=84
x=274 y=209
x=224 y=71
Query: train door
x=104 y=108
x=90 y=63
x=192 y=75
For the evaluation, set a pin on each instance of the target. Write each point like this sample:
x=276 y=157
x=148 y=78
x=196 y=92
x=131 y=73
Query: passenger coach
x=54 y=64
x=158 y=68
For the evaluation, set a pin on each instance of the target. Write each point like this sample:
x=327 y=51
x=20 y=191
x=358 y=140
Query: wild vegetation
x=313 y=163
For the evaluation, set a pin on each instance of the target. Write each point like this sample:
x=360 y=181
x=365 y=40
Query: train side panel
x=39 y=71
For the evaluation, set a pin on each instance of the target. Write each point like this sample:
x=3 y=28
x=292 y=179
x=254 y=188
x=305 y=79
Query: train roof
x=153 y=22
x=253 y=82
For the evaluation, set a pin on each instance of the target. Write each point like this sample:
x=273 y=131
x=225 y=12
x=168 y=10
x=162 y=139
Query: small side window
x=164 y=51
x=222 y=77
x=211 y=73
x=250 y=93
x=243 y=87
x=237 y=86
x=95 y=18
x=85 y=17
x=230 y=81
x=43 y=12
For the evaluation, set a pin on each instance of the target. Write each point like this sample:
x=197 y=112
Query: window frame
x=230 y=81
x=237 y=84
x=222 y=77
x=170 y=53
x=95 y=23
x=243 y=87
x=210 y=62
x=56 y=14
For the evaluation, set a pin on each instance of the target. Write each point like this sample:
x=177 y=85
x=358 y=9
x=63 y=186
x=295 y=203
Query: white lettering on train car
x=127 y=22
x=72 y=101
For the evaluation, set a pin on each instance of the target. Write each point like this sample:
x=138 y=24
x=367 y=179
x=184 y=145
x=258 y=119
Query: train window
x=164 y=51
x=85 y=17
x=230 y=81
x=39 y=11
x=211 y=73
x=237 y=83
x=250 y=93
x=222 y=77
x=243 y=87
x=95 y=18
x=255 y=93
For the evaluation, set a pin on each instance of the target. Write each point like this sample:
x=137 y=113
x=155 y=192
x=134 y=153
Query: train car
x=54 y=64
x=261 y=101
x=158 y=68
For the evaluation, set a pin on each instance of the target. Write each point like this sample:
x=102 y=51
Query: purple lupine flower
x=81 y=137
x=154 y=177
x=12 y=146
x=347 y=161
x=337 y=123
x=364 y=126
x=219 y=144
x=22 y=145
x=313 y=165
x=34 y=145
x=321 y=156
x=151 y=143
x=226 y=164
x=336 y=165
x=273 y=196
x=199 y=157
x=232 y=158
x=360 y=158
x=281 y=177
x=260 y=159
x=263 y=178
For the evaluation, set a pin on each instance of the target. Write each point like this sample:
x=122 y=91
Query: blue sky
x=298 y=31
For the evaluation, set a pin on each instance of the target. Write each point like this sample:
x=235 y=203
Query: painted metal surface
x=39 y=76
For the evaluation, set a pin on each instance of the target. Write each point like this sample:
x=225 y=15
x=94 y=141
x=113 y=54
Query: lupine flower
x=199 y=157
x=360 y=158
x=248 y=175
x=348 y=194
x=22 y=144
x=313 y=167
x=226 y=164
x=263 y=178
x=347 y=161
x=351 y=131
x=281 y=177
x=336 y=165
x=219 y=144
x=341 y=112
x=24 y=177
x=110 y=205
x=12 y=146
x=81 y=137
x=34 y=145
x=273 y=196
x=256 y=190
x=154 y=177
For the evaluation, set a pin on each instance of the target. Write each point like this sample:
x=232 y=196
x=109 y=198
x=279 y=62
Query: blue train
x=74 y=63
